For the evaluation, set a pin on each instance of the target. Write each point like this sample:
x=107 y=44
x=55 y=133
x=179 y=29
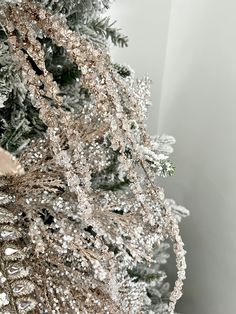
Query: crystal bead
x=12 y=253
x=4 y=300
x=9 y=233
x=2 y=278
x=25 y=305
x=17 y=271
x=22 y=287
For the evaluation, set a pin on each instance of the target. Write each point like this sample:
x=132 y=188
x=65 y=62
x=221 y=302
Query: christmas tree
x=83 y=225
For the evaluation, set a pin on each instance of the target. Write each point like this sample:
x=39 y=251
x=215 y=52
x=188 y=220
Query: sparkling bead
x=12 y=253
x=22 y=287
x=9 y=233
x=25 y=305
x=4 y=300
x=17 y=271
x=2 y=278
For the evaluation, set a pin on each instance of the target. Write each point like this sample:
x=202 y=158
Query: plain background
x=188 y=48
x=146 y=23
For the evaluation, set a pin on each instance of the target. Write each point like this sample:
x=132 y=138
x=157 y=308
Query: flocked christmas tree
x=83 y=225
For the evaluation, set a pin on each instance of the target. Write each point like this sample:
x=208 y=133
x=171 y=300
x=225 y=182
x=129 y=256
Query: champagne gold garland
x=104 y=83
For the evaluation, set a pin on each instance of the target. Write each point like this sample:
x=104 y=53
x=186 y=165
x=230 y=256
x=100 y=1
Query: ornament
x=9 y=165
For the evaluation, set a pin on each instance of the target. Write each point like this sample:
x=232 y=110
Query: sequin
x=4 y=300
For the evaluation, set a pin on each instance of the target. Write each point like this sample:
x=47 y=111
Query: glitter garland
x=99 y=77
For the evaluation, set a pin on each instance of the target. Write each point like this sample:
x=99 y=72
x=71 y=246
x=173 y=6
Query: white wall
x=146 y=24
x=198 y=107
